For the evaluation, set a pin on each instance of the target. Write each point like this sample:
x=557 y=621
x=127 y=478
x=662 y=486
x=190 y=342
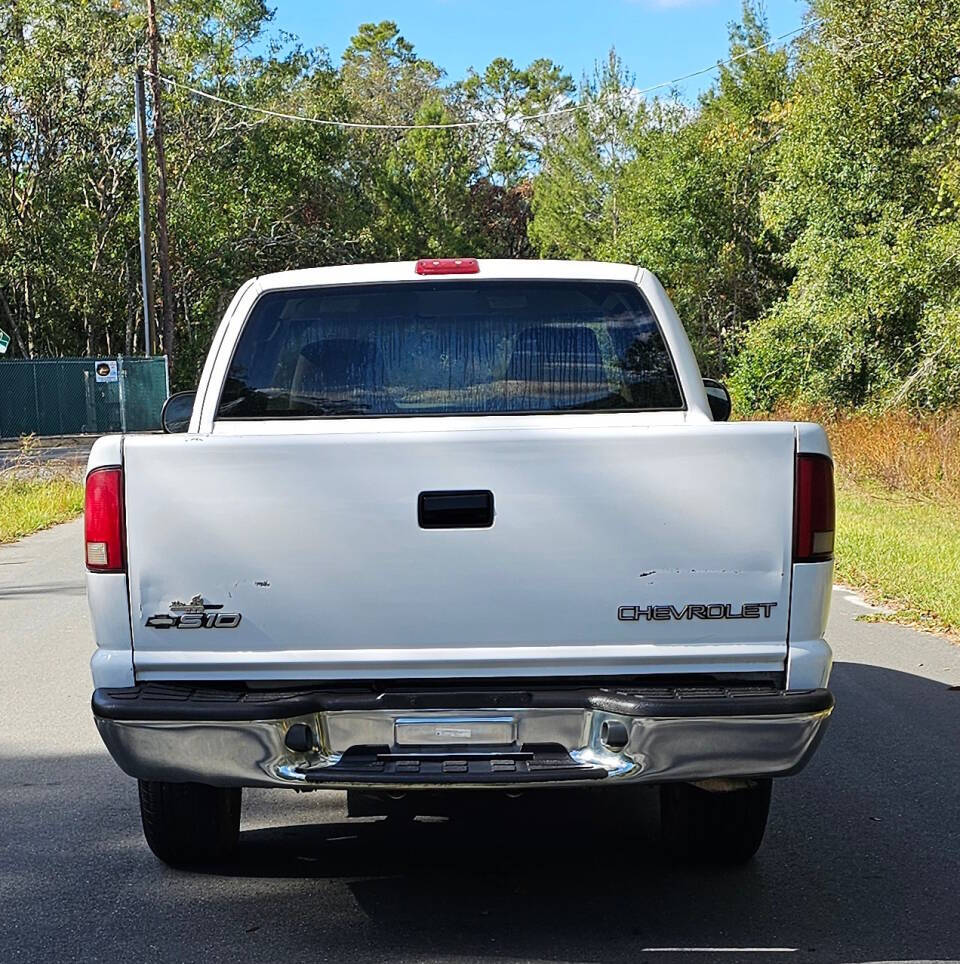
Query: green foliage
x=653 y=183
x=248 y=194
x=384 y=77
x=804 y=215
x=577 y=194
x=804 y=218
x=865 y=197
x=510 y=151
x=64 y=172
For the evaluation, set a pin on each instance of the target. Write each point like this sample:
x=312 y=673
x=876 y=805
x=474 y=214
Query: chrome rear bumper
x=689 y=737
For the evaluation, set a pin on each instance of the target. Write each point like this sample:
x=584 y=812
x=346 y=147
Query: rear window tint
x=450 y=348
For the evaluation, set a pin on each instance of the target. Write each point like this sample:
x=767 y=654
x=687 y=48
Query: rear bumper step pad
x=363 y=765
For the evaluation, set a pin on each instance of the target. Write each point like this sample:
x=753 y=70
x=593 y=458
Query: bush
x=914 y=455
x=793 y=356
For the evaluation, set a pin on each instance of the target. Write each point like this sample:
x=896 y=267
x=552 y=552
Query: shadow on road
x=861 y=863
x=45 y=589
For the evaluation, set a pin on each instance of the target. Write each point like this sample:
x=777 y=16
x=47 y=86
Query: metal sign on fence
x=106 y=371
x=4 y=341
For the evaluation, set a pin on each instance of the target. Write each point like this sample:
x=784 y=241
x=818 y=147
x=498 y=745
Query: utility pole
x=163 y=236
x=143 y=189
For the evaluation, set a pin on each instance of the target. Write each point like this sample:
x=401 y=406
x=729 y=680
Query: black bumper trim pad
x=197 y=702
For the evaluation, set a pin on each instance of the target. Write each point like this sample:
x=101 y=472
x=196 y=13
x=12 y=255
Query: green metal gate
x=81 y=396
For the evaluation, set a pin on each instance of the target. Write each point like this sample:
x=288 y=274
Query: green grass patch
x=901 y=552
x=28 y=505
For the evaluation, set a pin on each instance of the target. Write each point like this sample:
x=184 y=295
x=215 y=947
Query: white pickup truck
x=453 y=524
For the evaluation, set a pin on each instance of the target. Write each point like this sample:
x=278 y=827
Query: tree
x=677 y=191
x=865 y=198
x=383 y=76
x=67 y=230
x=509 y=150
x=803 y=213
x=577 y=199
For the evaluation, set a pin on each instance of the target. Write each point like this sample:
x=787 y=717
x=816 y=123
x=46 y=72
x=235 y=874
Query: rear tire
x=720 y=827
x=189 y=823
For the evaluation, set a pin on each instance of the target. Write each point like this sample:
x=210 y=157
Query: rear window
x=450 y=348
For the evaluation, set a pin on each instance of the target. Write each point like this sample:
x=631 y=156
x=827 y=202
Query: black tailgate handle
x=467 y=509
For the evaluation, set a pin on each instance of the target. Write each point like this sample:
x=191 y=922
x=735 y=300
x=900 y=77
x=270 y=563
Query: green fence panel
x=145 y=391
x=18 y=408
x=81 y=396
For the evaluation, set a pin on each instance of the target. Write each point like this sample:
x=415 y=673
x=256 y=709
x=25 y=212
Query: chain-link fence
x=81 y=396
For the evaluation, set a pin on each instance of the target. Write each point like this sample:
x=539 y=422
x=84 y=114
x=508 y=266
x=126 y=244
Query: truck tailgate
x=616 y=548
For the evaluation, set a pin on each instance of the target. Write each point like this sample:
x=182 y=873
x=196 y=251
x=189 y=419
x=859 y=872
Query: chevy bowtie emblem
x=195 y=614
x=196 y=605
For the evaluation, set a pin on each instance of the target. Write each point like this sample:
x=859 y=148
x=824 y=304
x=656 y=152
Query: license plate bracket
x=455 y=731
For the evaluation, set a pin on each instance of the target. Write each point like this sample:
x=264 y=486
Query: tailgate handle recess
x=469 y=509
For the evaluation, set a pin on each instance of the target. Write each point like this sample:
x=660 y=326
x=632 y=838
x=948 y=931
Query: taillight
x=103 y=520
x=814 y=514
x=448 y=266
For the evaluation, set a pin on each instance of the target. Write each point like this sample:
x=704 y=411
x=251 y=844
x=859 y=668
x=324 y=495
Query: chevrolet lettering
x=697 y=611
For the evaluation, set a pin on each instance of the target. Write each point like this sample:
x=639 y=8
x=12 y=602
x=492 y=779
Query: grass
x=36 y=494
x=902 y=552
x=917 y=455
x=29 y=505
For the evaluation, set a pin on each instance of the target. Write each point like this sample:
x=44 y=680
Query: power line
x=520 y=118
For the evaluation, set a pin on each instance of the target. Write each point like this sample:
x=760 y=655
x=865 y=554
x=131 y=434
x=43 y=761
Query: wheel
x=189 y=823
x=724 y=827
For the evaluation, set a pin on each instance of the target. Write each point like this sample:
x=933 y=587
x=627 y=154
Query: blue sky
x=657 y=39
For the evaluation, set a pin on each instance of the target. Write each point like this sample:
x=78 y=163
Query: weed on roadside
x=36 y=492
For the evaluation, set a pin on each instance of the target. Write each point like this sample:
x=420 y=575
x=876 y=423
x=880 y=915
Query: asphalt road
x=861 y=860
x=71 y=449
